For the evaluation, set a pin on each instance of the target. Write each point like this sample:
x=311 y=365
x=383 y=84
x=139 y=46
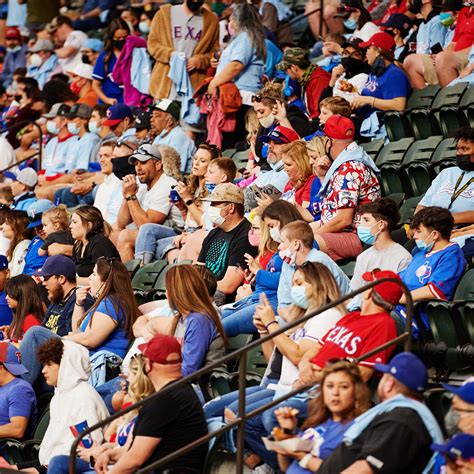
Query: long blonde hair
x=298 y=153
x=317 y=145
x=267 y=244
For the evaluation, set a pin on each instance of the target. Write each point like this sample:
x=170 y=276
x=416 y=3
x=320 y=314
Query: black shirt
x=226 y=249
x=60 y=237
x=394 y=442
x=177 y=419
x=98 y=246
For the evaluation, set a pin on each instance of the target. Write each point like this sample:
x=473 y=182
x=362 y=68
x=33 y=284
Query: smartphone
x=437 y=48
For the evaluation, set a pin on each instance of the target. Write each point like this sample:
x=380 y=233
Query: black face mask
x=328 y=149
x=119 y=44
x=390 y=32
x=85 y=59
x=17 y=98
x=121 y=167
x=464 y=162
x=194 y=6
x=415 y=6
x=378 y=68
x=352 y=66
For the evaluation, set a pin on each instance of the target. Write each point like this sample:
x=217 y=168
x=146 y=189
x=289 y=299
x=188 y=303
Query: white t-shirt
x=74 y=40
x=314 y=329
x=108 y=198
x=7 y=154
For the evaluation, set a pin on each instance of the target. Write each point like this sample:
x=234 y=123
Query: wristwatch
x=304 y=461
x=131 y=198
x=188 y=202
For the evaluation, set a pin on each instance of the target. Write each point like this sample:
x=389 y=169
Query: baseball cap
x=57 y=110
x=10 y=357
x=144 y=153
x=35 y=211
x=388 y=291
x=3 y=262
x=465 y=392
x=354 y=43
x=292 y=56
x=338 y=127
x=42 y=45
x=399 y=21
x=81 y=70
x=160 y=348
x=280 y=135
x=408 y=369
x=381 y=40
x=166 y=105
x=116 y=113
x=93 y=44
x=142 y=120
x=79 y=110
x=27 y=176
x=460 y=445
x=226 y=192
x=58 y=265
x=12 y=32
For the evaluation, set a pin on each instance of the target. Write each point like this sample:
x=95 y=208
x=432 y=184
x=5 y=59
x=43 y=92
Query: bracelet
x=80 y=305
x=133 y=197
x=373 y=102
x=270 y=323
x=188 y=202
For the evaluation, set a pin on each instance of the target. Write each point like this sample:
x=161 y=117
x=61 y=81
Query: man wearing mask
x=15 y=57
x=165 y=124
x=81 y=84
x=187 y=28
x=43 y=62
x=398 y=26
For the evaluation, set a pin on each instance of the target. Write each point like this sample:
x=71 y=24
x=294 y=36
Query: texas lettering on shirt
x=187 y=33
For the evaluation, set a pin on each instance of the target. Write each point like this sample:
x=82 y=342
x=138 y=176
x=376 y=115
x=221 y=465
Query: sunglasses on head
x=147 y=153
x=259 y=97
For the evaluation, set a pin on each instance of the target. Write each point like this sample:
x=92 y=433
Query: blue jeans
x=60 y=465
x=153 y=240
x=34 y=337
x=69 y=199
x=107 y=390
x=237 y=318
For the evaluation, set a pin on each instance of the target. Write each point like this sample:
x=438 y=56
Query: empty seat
x=443 y=157
x=373 y=148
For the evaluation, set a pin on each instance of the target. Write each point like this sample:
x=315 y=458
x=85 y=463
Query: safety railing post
x=241 y=414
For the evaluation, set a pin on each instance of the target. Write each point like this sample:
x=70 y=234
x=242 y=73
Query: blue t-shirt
x=109 y=88
x=315 y=199
x=6 y=314
x=17 y=398
x=81 y=152
x=33 y=261
x=117 y=342
x=430 y=33
x=242 y=50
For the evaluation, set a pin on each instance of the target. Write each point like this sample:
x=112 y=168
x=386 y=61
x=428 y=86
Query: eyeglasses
x=122 y=142
x=109 y=260
x=260 y=97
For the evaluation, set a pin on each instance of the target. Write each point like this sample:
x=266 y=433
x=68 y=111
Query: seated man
x=224 y=247
x=296 y=247
x=17 y=398
x=120 y=121
x=350 y=181
x=164 y=424
x=395 y=435
x=66 y=367
x=43 y=62
x=437 y=264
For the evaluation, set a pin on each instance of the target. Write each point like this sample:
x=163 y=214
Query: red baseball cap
x=381 y=40
x=281 y=135
x=389 y=291
x=338 y=127
x=160 y=347
x=12 y=32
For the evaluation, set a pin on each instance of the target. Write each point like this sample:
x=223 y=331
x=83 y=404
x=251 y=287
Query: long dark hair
x=117 y=24
x=283 y=212
x=248 y=20
x=24 y=290
x=91 y=215
x=18 y=221
x=215 y=153
x=118 y=288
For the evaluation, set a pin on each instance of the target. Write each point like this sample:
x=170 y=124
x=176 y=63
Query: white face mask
x=275 y=234
x=288 y=256
x=214 y=214
x=267 y=122
x=35 y=60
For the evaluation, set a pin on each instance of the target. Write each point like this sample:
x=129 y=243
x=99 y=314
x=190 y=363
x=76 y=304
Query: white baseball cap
x=82 y=70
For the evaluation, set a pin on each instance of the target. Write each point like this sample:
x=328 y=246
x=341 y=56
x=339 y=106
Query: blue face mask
x=298 y=296
x=210 y=187
x=94 y=128
x=52 y=127
x=423 y=245
x=350 y=24
x=365 y=234
x=144 y=27
x=73 y=128
x=446 y=19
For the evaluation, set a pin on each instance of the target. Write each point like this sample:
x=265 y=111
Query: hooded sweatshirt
x=74 y=401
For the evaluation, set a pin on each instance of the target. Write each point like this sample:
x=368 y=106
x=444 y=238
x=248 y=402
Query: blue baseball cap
x=10 y=357
x=3 y=262
x=459 y=446
x=58 y=265
x=116 y=113
x=465 y=392
x=408 y=369
x=94 y=44
x=35 y=211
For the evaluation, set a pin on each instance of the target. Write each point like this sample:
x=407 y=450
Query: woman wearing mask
x=344 y=396
x=388 y=86
x=109 y=92
x=145 y=23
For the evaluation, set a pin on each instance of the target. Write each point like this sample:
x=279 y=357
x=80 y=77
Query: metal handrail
x=40 y=139
x=242 y=416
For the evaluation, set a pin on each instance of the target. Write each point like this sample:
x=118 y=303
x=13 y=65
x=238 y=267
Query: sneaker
x=263 y=469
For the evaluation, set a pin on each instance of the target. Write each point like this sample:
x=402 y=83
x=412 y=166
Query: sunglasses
x=140 y=151
x=259 y=97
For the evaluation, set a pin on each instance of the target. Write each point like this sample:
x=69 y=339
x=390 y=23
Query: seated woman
x=344 y=396
x=388 y=86
x=15 y=228
x=237 y=318
x=313 y=287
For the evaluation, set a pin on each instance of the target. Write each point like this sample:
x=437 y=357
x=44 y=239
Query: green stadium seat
x=438 y=400
x=397 y=125
x=348 y=268
x=408 y=209
x=143 y=282
x=373 y=148
x=423 y=123
x=132 y=266
x=241 y=158
x=443 y=157
x=422 y=98
x=450 y=96
x=229 y=152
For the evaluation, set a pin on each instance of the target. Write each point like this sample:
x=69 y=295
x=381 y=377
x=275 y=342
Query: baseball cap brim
x=111 y=123
x=459 y=391
x=365 y=44
x=269 y=138
x=441 y=448
x=15 y=369
x=142 y=347
x=34 y=224
x=384 y=368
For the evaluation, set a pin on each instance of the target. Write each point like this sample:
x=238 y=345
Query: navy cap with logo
x=465 y=392
x=58 y=265
x=35 y=211
x=460 y=446
x=10 y=357
x=399 y=21
x=116 y=113
x=280 y=135
x=3 y=263
x=408 y=369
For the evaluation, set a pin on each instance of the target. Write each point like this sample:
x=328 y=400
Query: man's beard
x=56 y=294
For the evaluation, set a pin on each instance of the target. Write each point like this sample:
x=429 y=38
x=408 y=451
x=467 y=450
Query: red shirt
x=302 y=194
x=318 y=81
x=355 y=335
x=464 y=30
x=265 y=258
x=29 y=322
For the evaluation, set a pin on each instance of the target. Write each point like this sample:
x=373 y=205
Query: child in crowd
x=24 y=300
x=55 y=229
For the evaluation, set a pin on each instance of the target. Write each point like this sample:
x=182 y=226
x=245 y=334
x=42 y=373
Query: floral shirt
x=351 y=185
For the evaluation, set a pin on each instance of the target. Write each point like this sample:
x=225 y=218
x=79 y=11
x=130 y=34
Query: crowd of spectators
x=123 y=131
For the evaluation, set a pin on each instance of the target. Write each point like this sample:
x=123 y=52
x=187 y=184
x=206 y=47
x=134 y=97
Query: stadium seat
x=408 y=209
x=132 y=266
x=348 y=268
x=397 y=125
x=373 y=148
x=229 y=152
x=422 y=98
x=145 y=278
x=466 y=105
x=438 y=400
x=443 y=157
x=241 y=158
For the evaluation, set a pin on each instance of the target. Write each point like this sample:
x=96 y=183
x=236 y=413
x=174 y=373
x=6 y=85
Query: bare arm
x=140 y=451
x=233 y=278
x=341 y=220
x=95 y=334
x=65 y=51
x=97 y=88
x=15 y=429
x=140 y=217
